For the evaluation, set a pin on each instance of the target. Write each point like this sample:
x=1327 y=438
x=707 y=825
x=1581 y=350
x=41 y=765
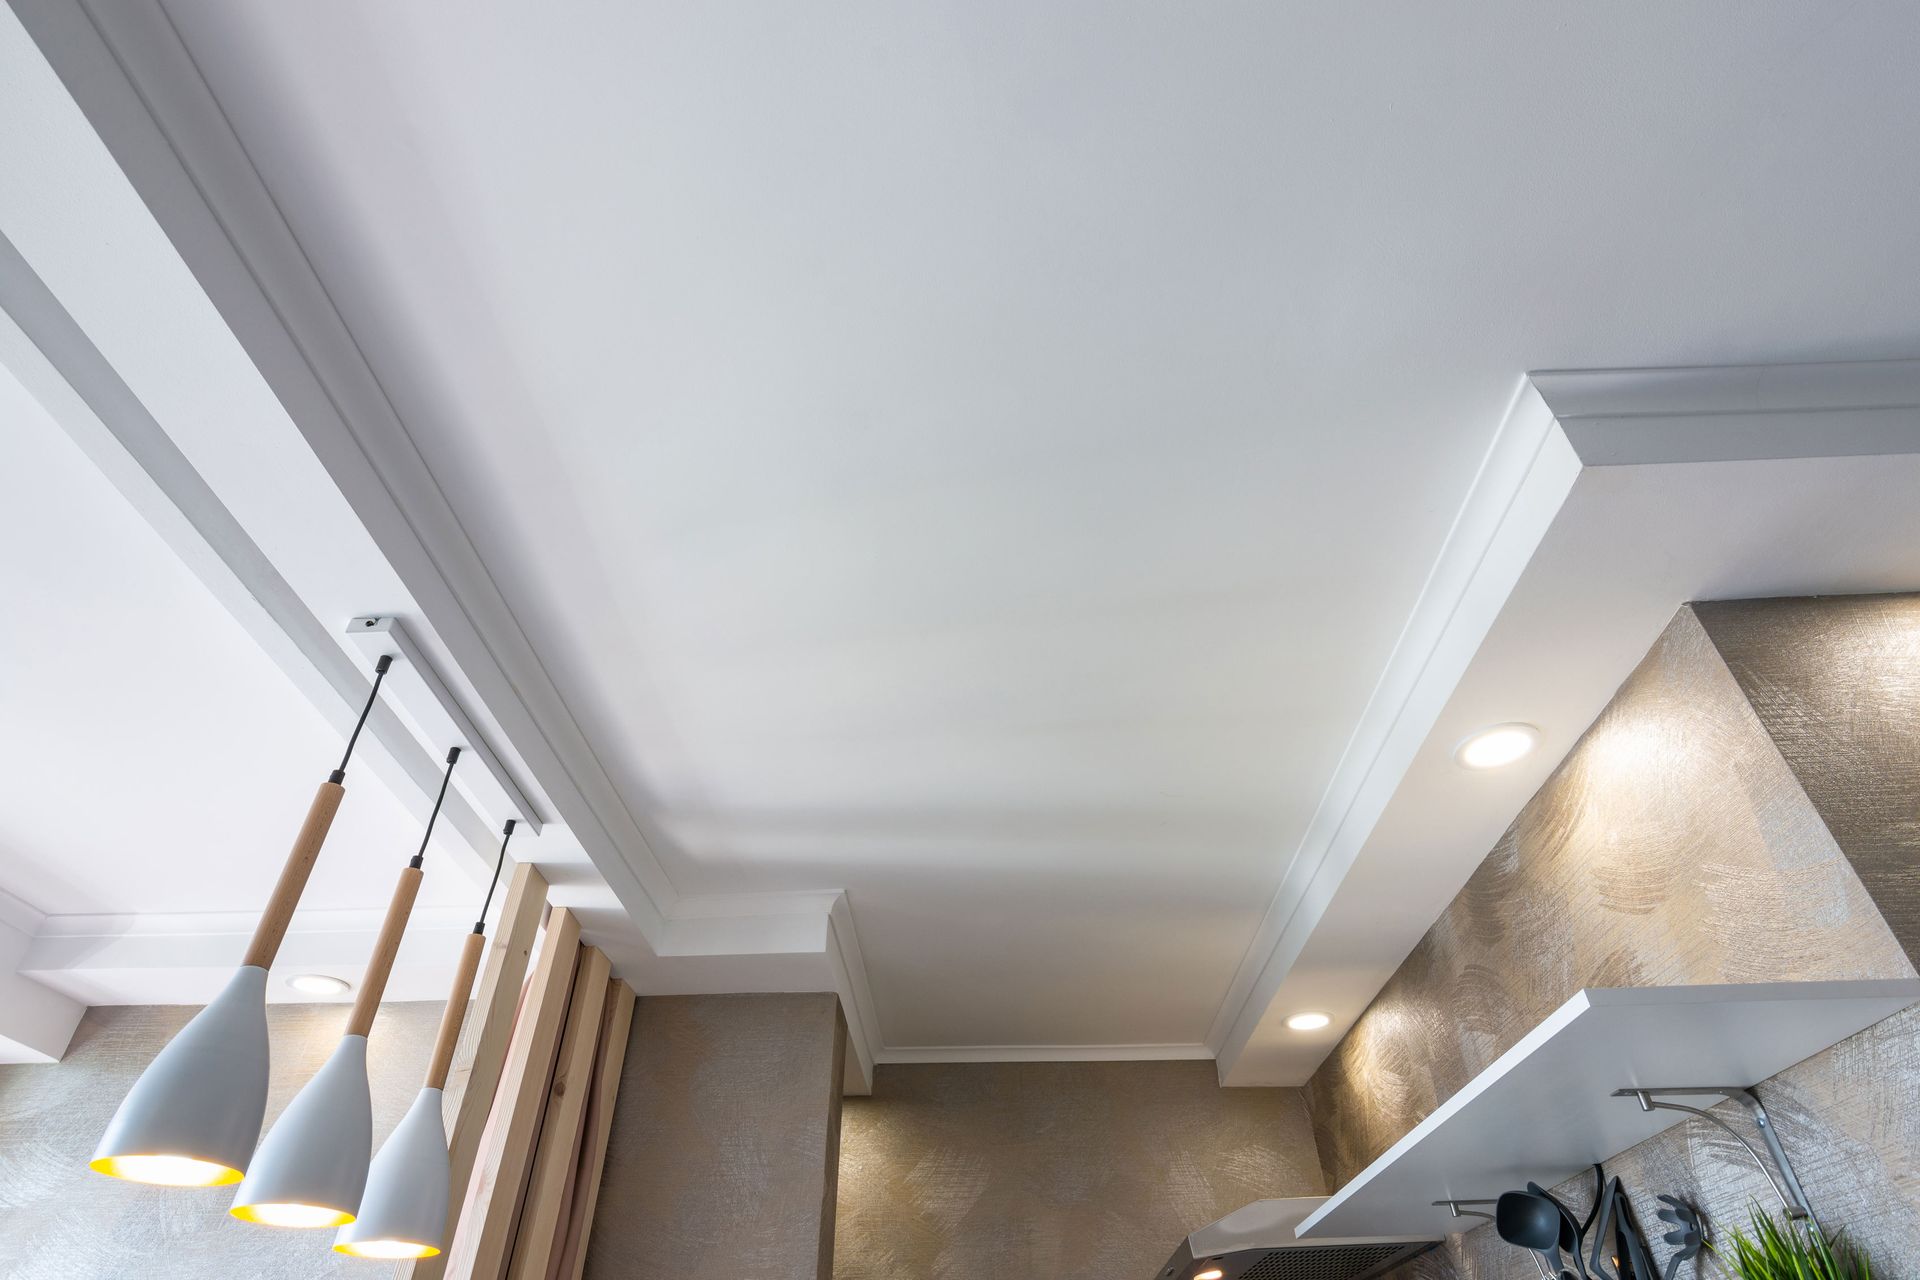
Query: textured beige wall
x=1070 y=1171
x=723 y=1156
x=60 y=1221
x=1676 y=844
x=1836 y=682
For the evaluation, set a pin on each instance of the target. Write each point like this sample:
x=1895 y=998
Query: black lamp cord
x=379 y=673
x=480 y=925
x=453 y=754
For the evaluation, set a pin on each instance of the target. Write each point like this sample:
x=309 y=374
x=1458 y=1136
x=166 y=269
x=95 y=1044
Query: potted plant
x=1772 y=1250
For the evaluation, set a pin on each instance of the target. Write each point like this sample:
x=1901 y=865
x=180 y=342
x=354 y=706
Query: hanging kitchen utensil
x=1570 y=1241
x=1690 y=1237
x=1530 y=1221
x=1631 y=1259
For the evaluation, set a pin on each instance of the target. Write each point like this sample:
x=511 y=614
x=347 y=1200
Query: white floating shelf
x=1542 y=1112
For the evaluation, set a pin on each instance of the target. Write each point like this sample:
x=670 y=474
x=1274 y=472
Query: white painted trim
x=240 y=924
x=856 y=997
x=713 y=906
x=46 y=348
x=20 y=915
x=1559 y=425
x=1637 y=417
x=1526 y=474
x=134 y=78
x=906 y=1054
x=36 y=1022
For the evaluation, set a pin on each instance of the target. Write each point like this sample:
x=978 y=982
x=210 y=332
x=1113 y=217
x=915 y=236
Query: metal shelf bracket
x=1785 y=1185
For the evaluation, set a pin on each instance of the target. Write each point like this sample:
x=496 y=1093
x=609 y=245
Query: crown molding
x=1608 y=499
x=1525 y=476
x=130 y=73
x=903 y=1055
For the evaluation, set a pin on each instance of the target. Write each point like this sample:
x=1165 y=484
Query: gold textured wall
x=1836 y=682
x=60 y=1221
x=723 y=1157
x=1678 y=844
x=1071 y=1171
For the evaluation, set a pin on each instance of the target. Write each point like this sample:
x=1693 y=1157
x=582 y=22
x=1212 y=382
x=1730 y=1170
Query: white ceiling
x=156 y=760
x=981 y=457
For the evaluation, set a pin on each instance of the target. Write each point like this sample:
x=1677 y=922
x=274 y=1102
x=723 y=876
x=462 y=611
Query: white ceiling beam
x=1661 y=486
x=139 y=88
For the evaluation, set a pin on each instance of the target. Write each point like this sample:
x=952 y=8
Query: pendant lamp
x=193 y=1116
x=312 y=1167
x=404 y=1211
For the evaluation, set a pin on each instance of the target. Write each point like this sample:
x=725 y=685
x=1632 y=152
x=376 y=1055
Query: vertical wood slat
x=482 y=1057
x=482 y=1247
x=544 y=1212
x=612 y=1060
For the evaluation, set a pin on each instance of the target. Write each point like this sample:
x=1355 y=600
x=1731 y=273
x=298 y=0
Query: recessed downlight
x=1306 y=1022
x=1497 y=745
x=319 y=984
x=1211 y=1273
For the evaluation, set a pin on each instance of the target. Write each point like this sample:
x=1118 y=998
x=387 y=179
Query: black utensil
x=1570 y=1240
x=1631 y=1260
x=1610 y=1198
x=1530 y=1221
x=1688 y=1240
x=1632 y=1245
x=1593 y=1210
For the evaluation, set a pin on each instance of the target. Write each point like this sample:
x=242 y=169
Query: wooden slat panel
x=544 y=1212
x=483 y=1245
x=572 y=1262
x=482 y=1056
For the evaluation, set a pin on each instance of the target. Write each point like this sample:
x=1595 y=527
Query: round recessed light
x=1308 y=1021
x=1211 y=1273
x=319 y=984
x=1502 y=744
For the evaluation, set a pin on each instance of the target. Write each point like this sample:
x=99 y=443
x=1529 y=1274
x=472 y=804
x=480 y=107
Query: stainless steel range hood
x=1257 y=1243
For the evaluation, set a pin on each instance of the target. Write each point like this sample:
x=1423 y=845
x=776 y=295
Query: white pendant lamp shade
x=312 y=1167
x=404 y=1211
x=192 y=1118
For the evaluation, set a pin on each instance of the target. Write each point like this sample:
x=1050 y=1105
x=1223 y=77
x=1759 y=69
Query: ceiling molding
x=1525 y=476
x=1659 y=486
x=187 y=957
x=45 y=347
x=915 y=1054
x=1640 y=417
x=20 y=915
x=36 y=1022
x=133 y=78
x=139 y=88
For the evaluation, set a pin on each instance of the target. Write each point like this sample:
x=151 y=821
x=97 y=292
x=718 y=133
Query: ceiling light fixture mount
x=1497 y=745
x=1308 y=1022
